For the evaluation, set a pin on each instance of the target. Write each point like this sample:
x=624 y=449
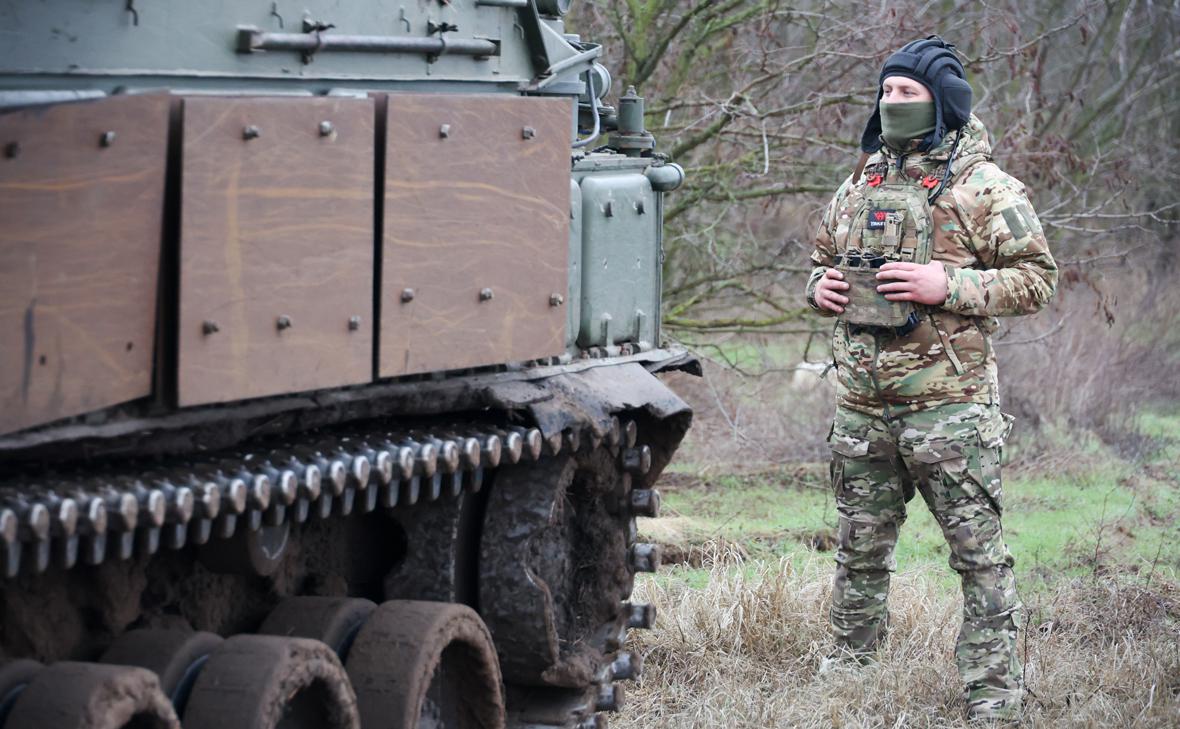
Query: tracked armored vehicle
x=329 y=334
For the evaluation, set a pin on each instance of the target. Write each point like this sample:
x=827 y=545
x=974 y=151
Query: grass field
x=1096 y=536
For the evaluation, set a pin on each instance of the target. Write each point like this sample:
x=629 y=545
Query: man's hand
x=826 y=289
x=912 y=282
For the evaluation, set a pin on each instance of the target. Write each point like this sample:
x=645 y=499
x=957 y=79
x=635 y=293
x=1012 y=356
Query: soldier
x=918 y=252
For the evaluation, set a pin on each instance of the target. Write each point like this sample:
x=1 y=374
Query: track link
x=87 y=516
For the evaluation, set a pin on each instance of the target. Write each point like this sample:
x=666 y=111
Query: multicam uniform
x=920 y=411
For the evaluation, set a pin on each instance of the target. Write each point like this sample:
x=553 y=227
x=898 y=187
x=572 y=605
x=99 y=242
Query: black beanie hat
x=932 y=63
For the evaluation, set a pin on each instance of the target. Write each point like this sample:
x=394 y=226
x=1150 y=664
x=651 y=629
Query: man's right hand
x=827 y=290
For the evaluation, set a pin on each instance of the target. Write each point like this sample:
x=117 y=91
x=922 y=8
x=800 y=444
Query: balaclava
x=905 y=121
x=932 y=63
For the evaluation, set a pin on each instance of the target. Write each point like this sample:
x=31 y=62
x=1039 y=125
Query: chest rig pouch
x=891 y=222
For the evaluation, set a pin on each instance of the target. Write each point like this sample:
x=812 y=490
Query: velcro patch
x=878 y=216
x=1030 y=218
x=1015 y=220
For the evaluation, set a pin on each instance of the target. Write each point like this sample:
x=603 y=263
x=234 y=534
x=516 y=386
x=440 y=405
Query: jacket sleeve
x=1015 y=273
x=824 y=255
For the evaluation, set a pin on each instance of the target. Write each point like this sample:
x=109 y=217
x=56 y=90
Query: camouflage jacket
x=997 y=264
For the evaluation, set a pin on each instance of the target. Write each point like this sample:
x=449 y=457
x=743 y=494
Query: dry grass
x=744 y=651
x=747 y=422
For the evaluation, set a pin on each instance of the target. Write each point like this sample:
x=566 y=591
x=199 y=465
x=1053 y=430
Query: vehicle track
x=241 y=513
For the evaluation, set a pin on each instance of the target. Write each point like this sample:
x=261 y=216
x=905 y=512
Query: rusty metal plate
x=476 y=231
x=81 y=204
x=276 y=246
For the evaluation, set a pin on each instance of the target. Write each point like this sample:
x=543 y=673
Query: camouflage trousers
x=951 y=456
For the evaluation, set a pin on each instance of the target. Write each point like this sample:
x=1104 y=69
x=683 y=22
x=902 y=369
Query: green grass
x=1087 y=513
x=749 y=356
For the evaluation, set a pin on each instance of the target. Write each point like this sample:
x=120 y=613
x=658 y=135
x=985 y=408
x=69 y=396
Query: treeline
x=763 y=101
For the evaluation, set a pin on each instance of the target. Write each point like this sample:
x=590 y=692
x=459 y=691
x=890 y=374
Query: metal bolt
x=251 y=132
x=326 y=129
x=610 y=698
x=63 y=515
x=556 y=299
x=626 y=666
x=122 y=510
x=407 y=295
x=336 y=475
x=209 y=327
x=258 y=497
x=153 y=505
x=470 y=452
x=234 y=493
x=36 y=518
x=528 y=133
x=359 y=470
x=616 y=640
x=608 y=209
x=308 y=476
x=207 y=500
x=448 y=455
x=491 y=449
x=107 y=139
x=614 y=434
x=403 y=460
x=9 y=524
x=486 y=294
x=637 y=460
x=640 y=207
x=630 y=433
x=512 y=445
x=354 y=323
x=12 y=150
x=645 y=557
x=284 y=485
x=645 y=502
x=93 y=516
x=532 y=441
x=640 y=616
x=444 y=131
x=283 y=322
x=180 y=503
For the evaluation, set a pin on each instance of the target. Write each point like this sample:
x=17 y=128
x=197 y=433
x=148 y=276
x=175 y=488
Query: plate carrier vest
x=892 y=222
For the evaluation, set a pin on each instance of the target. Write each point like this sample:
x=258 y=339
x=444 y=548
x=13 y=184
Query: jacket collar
x=975 y=141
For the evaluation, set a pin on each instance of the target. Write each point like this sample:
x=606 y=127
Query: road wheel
x=330 y=620
x=426 y=665
x=92 y=696
x=268 y=682
x=175 y=656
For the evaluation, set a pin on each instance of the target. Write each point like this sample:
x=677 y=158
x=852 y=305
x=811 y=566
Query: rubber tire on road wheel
x=331 y=620
x=268 y=682
x=14 y=676
x=170 y=654
x=401 y=650
x=92 y=696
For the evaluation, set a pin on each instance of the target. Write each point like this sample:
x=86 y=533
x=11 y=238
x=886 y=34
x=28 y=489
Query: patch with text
x=878 y=216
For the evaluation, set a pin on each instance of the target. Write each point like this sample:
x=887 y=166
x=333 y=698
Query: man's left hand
x=913 y=282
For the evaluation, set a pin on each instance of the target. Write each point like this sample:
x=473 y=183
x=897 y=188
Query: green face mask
x=904 y=121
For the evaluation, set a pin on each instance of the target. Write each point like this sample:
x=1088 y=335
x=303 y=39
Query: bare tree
x=763 y=102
